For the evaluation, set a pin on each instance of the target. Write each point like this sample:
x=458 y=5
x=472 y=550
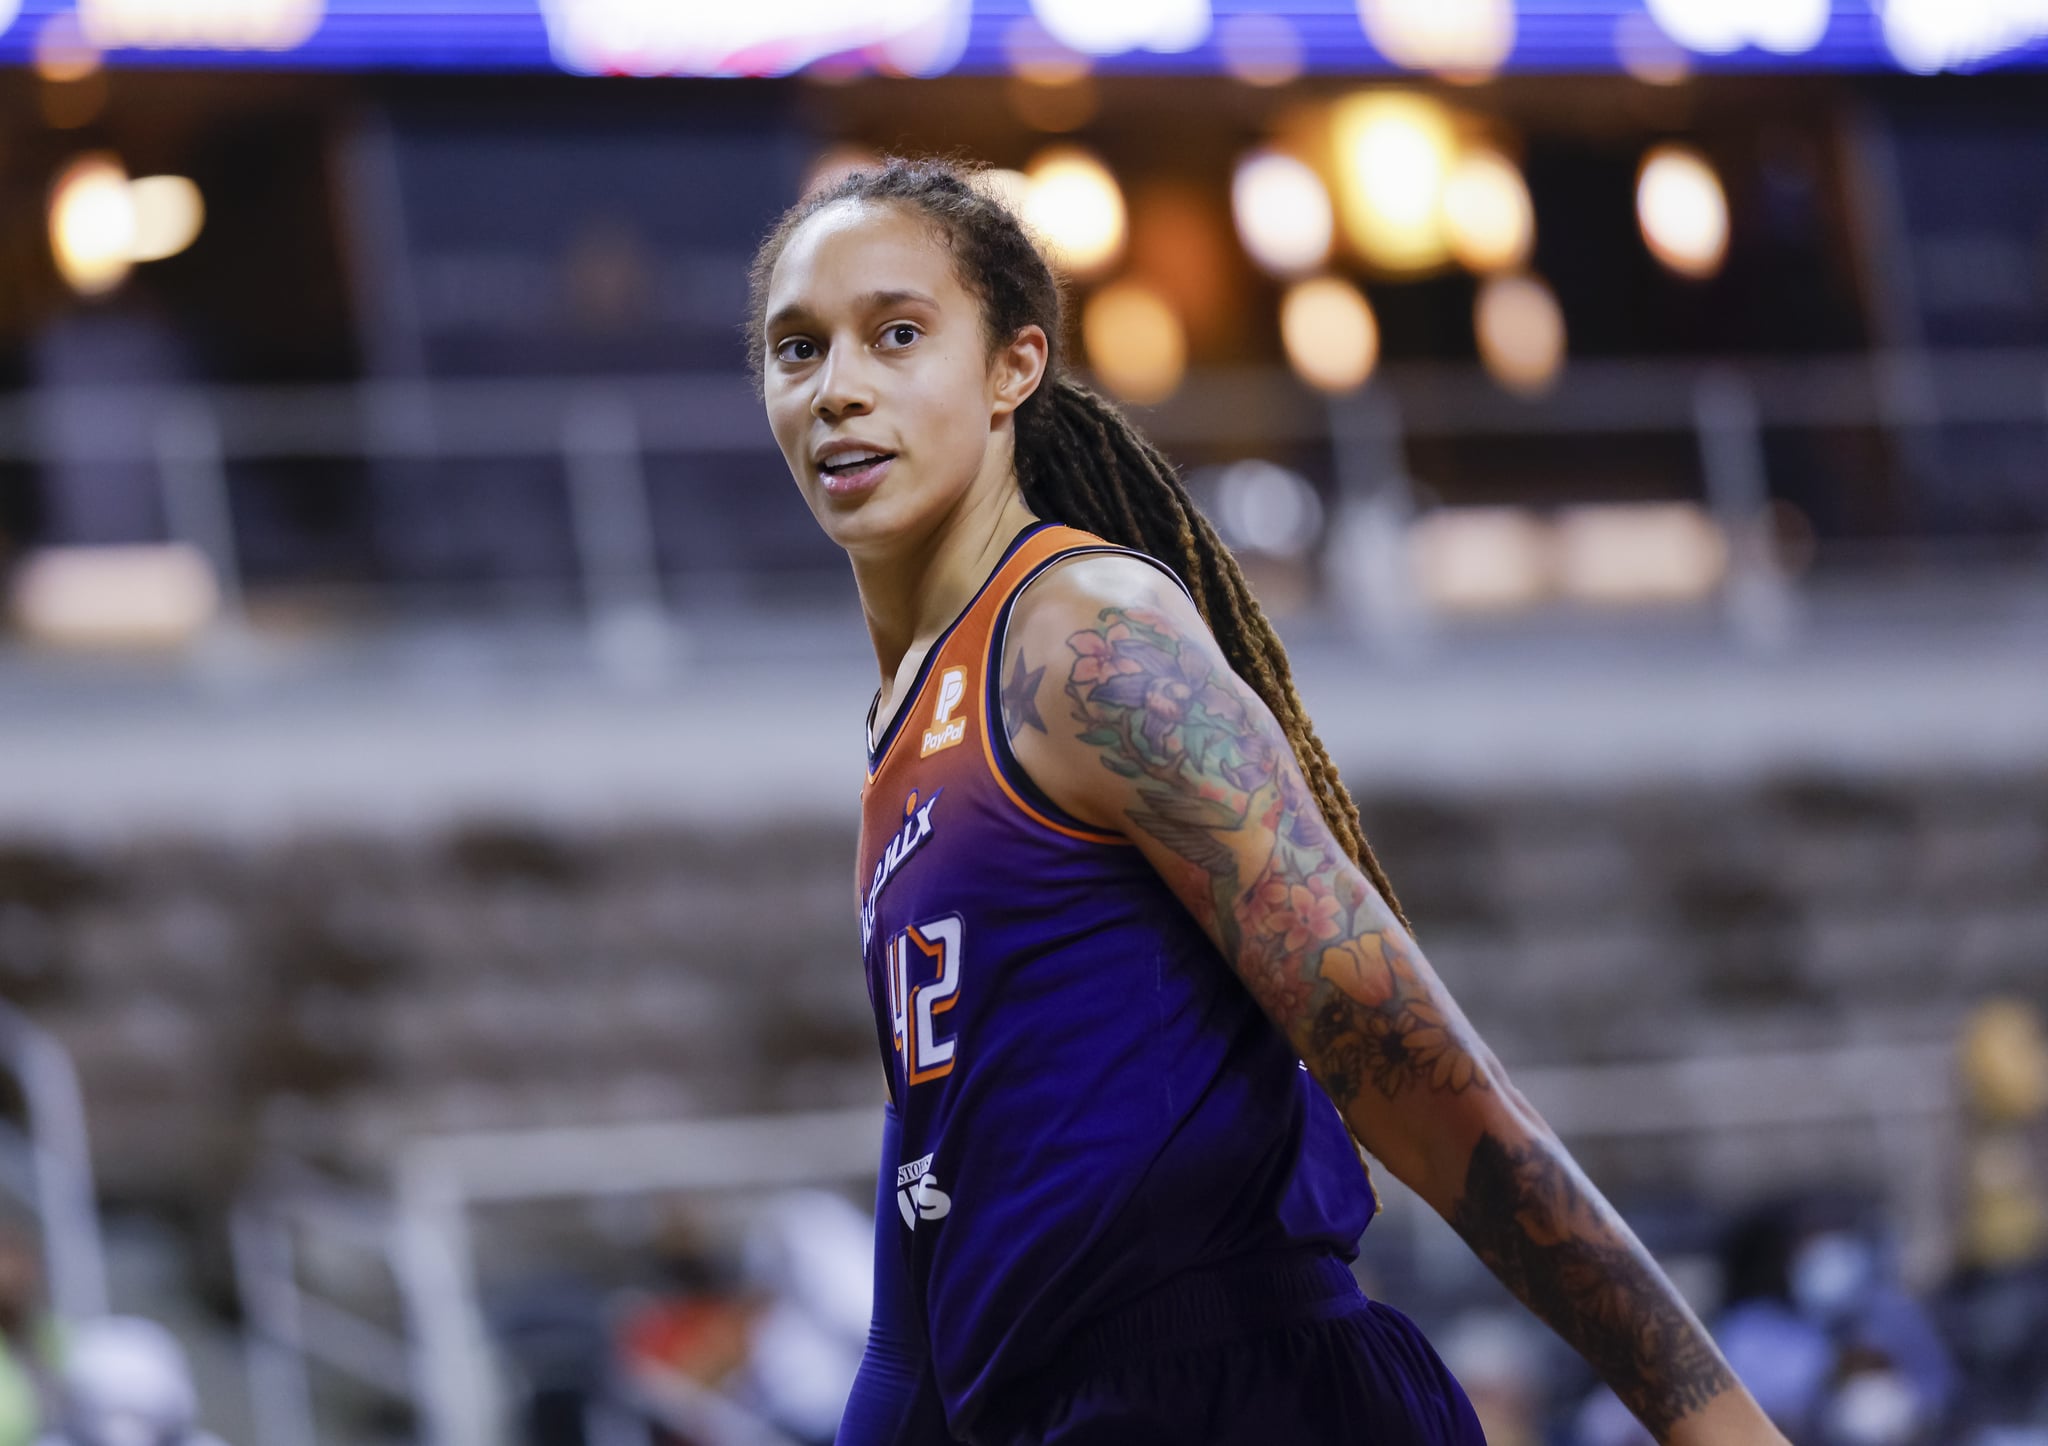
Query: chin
x=860 y=522
x=878 y=519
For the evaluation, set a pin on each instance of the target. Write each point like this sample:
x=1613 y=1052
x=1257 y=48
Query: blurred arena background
x=429 y=718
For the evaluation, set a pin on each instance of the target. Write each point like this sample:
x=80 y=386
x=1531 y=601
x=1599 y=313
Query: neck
x=910 y=593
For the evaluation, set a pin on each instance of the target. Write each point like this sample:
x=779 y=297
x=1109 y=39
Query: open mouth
x=858 y=464
x=844 y=476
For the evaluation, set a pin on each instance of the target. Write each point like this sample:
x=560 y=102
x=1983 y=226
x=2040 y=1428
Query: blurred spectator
x=1873 y=1404
x=811 y=1252
x=1893 y=1378
x=1998 y=1304
x=552 y=1327
x=1824 y=1335
x=125 y=1382
x=682 y=1347
x=773 y=1357
x=25 y=1346
x=1781 y=1354
x=2005 y=1074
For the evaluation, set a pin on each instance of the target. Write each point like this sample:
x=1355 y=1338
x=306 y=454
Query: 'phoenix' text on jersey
x=917 y=827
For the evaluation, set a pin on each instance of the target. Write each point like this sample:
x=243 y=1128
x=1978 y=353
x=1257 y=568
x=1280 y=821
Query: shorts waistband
x=1220 y=1302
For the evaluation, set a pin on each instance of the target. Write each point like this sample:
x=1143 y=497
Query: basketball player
x=1138 y=980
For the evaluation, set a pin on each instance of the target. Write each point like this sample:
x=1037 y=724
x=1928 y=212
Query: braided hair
x=1078 y=459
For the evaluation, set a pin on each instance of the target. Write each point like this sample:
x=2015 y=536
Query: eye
x=792 y=341
x=896 y=326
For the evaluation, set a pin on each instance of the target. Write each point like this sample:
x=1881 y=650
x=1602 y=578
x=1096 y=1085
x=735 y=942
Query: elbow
x=1507 y=1110
x=1427 y=1139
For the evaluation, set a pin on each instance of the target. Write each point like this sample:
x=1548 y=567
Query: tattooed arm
x=1119 y=704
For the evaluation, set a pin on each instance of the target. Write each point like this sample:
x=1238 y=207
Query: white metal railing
x=57 y=1183
x=421 y=1235
x=287 y=1327
x=1905 y=1094
x=604 y=428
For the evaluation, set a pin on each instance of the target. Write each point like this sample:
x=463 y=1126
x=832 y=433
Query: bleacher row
x=334 y=995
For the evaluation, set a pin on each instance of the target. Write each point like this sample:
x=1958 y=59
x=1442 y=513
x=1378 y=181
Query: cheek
x=786 y=419
x=958 y=413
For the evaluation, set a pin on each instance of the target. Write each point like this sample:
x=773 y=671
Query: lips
x=855 y=479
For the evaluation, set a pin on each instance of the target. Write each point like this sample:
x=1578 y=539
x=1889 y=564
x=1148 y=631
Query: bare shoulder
x=1081 y=607
x=1074 y=591
x=1094 y=632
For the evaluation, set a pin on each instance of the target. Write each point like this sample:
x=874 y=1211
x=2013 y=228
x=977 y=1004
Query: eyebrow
x=866 y=301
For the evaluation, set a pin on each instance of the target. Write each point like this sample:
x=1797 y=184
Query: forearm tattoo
x=1527 y=1212
x=1216 y=785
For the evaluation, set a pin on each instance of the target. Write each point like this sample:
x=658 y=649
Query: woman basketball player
x=1114 y=903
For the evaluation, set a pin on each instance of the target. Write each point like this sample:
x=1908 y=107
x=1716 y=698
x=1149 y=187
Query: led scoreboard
x=1264 y=40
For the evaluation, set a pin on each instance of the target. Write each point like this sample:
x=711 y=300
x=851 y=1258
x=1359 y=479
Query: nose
x=842 y=385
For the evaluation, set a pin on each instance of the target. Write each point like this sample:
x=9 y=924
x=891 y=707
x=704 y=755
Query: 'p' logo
x=952 y=685
x=946 y=730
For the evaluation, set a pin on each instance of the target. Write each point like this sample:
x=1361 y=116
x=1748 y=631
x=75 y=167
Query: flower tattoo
x=1216 y=784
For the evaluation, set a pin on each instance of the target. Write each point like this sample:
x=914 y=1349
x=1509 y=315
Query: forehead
x=851 y=251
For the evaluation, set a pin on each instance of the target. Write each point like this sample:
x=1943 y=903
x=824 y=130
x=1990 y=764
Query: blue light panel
x=511 y=35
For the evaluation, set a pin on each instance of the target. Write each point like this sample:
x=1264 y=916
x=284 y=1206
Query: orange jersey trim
x=1039 y=550
x=1084 y=835
x=969 y=643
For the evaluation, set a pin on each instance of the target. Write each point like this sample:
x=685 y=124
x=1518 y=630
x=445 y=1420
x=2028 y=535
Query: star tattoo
x=1020 y=700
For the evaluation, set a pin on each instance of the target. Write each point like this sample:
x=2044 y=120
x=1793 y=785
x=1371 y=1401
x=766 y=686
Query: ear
x=1017 y=369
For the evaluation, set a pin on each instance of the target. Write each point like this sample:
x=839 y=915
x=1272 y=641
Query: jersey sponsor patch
x=918 y=1196
x=947 y=731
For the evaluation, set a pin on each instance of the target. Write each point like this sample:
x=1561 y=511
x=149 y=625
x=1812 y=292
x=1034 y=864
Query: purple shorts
x=1255 y=1353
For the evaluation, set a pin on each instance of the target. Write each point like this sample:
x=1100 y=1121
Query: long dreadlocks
x=1079 y=460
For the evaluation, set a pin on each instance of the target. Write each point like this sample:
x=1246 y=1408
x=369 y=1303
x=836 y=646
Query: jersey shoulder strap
x=954 y=656
x=1040 y=551
x=1042 y=547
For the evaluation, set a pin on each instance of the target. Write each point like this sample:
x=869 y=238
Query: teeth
x=838 y=462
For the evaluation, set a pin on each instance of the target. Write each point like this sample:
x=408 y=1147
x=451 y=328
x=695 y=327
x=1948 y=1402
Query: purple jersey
x=1090 y=1102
